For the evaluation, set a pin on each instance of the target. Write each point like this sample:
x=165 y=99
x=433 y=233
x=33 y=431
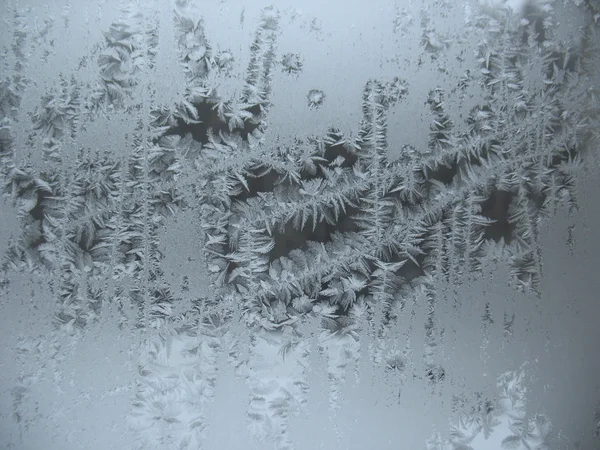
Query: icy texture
x=327 y=232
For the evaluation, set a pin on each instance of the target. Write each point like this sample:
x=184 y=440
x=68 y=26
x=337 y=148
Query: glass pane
x=235 y=225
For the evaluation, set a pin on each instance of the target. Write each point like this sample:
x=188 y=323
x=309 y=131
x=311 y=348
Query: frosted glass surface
x=341 y=225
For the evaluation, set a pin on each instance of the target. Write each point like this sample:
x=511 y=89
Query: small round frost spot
x=224 y=60
x=291 y=63
x=315 y=98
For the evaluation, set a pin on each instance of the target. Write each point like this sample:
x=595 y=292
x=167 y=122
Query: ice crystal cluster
x=148 y=199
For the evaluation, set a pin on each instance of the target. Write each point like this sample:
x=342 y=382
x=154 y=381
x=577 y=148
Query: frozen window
x=352 y=225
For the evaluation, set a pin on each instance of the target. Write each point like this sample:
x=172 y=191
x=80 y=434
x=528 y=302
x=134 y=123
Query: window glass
x=341 y=225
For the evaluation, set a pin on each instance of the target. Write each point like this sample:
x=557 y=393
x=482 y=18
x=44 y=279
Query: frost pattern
x=325 y=229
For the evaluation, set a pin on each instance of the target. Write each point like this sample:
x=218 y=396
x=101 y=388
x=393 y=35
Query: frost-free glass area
x=301 y=225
